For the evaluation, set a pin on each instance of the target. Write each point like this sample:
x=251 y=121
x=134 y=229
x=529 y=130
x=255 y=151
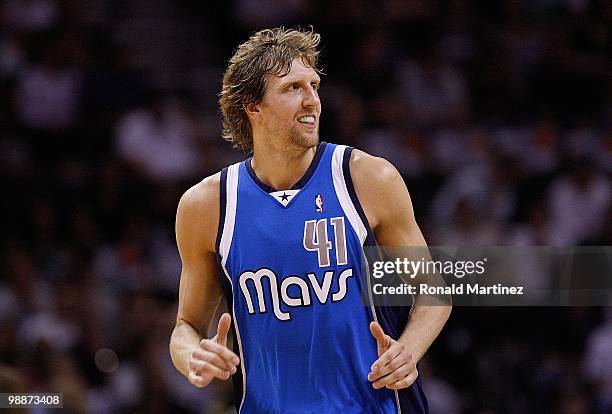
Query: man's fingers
x=215 y=359
x=382 y=340
x=406 y=382
x=391 y=360
x=395 y=376
x=211 y=360
x=220 y=350
x=223 y=329
x=197 y=380
x=204 y=368
x=389 y=355
x=377 y=332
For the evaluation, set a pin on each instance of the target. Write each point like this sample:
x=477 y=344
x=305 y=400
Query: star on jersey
x=284 y=197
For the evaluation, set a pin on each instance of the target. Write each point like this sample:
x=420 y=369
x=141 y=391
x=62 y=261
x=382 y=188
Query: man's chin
x=306 y=141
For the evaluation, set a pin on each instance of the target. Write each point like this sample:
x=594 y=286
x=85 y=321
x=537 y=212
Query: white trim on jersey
x=343 y=194
x=231 y=199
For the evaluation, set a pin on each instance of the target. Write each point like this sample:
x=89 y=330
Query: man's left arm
x=388 y=208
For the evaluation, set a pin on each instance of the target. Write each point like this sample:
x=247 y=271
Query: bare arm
x=388 y=208
x=200 y=291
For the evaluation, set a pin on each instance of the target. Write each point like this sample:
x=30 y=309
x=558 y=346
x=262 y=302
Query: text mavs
x=315 y=240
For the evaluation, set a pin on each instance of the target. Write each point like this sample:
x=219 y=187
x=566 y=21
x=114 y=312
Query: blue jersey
x=292 y=265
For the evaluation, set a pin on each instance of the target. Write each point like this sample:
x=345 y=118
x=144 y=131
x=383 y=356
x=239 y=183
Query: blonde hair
x=267 y=52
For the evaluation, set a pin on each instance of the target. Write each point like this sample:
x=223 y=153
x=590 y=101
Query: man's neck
x=279 y=169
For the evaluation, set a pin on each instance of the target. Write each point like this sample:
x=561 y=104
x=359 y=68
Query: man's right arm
x=200 y=360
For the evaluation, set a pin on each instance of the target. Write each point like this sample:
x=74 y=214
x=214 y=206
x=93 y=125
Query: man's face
x=290 y=108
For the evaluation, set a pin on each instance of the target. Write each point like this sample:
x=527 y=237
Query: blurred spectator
x=403 y=150
x=270 y=13
x=603 y=153
x=158 y=140
x=12 y=56
x=485 y=177
x=539 y=151
x=12 y=382
x=441 y=396
x=538 y=230
x=466 y=228
x=579 y=191
x=30 y=15
x=448 y=150
x=598 y=363
x=435 y=93
x=48 y=92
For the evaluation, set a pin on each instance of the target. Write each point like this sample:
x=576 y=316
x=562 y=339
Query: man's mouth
x=307 y=119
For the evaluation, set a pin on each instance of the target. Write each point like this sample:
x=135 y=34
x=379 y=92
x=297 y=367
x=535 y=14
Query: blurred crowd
x=497 y=114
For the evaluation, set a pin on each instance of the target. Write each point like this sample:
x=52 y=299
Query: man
x=281 y=236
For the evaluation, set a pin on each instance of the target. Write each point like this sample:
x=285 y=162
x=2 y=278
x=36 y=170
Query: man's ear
x=251 y=109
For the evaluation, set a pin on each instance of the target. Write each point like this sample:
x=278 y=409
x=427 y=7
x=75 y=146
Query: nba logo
x=319 y=203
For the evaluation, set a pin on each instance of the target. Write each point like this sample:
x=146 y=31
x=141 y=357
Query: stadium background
x=498 y=115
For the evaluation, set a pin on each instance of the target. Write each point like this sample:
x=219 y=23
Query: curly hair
x=267 y=52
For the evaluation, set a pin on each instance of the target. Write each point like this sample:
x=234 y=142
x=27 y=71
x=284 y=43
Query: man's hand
x=213 y=359
x=395 y=367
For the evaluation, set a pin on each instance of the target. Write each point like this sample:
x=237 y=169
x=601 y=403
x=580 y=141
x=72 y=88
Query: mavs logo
x=320 y=290
x=315 y=240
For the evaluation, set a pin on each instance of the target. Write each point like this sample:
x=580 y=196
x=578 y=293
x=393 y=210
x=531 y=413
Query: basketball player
x=281 y=236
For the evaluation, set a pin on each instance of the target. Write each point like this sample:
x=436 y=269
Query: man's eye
x=315 y=86
x=292 y=87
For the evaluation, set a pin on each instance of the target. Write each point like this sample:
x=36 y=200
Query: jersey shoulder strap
x=347 y=196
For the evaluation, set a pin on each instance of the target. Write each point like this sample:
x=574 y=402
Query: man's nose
x=311 y=97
